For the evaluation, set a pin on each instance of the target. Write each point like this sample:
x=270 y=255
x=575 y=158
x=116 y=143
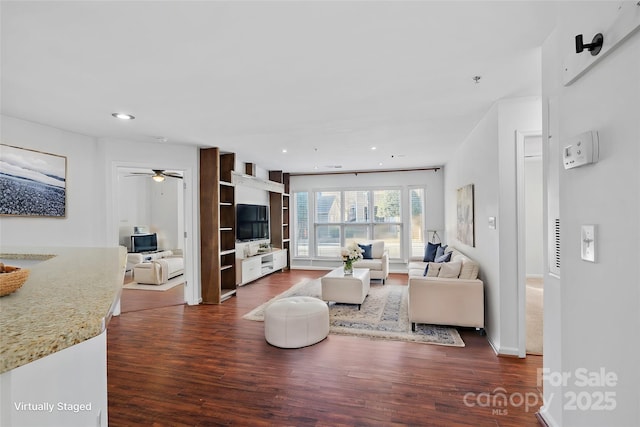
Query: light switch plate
x=492 y=222
x=588 y=243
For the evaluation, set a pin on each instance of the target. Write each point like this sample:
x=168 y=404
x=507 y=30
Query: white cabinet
x=280 y=259
x=251 y=269
x=260 y=265
x=66 y=388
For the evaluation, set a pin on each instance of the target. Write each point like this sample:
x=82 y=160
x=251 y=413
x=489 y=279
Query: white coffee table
x=352 y=289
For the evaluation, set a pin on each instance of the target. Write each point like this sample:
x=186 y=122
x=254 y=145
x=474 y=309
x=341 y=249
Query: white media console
x=259 y=265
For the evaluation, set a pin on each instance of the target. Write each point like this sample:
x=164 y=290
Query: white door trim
x=521 y=136
x=191 y=243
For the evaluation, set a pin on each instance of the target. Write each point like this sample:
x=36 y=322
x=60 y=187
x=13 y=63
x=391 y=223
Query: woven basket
x=11 y=282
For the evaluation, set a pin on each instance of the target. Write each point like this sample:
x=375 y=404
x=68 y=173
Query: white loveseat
x=439 y=299
x=158 y=269
x=378 y=264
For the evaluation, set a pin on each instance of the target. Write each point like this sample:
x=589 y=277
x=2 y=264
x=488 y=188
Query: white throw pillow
x=434 y=269
x=377 y=249
x=469 y=270
x=449 y=270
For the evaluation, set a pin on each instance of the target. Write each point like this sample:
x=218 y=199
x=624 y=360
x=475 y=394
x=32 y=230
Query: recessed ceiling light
x=284 y=150
x=373 y=148
x=380 y=164
x=123 y=116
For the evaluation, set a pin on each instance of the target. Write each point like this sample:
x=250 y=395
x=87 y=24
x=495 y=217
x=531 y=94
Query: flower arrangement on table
x=351 y=254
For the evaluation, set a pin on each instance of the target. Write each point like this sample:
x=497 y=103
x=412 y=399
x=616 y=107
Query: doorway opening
x=530 y=242
x=150 y=202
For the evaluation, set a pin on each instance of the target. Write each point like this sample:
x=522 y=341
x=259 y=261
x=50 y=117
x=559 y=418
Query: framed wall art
x=32 y=183
x=465 y=215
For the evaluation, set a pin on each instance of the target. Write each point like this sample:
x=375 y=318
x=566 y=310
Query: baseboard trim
x=541 y=420
x=509 y=351
x=503 y=351
x=493 y=347
x=544 y=419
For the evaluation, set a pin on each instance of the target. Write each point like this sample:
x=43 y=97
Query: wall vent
x=555 y=257
x=557 y=243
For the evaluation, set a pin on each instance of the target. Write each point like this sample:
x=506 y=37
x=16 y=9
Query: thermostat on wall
x=583 y=150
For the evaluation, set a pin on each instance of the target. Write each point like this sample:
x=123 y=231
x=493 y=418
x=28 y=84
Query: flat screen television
x=252 y=222
x=144 y=242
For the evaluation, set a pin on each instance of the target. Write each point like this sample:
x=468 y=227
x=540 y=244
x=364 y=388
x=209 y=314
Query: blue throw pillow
x=440 y=251
x=444 y=258
x=366 y=251
x=430 y=251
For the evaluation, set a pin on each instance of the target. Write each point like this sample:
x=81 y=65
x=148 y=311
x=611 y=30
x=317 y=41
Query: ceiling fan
x=158 y=175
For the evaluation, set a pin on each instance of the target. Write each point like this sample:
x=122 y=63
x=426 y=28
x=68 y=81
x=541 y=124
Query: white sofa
x=443 y=300
x=378 y=264
x=135 y=258
x=158 y=269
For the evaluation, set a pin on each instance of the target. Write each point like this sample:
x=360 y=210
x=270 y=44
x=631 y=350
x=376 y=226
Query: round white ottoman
x=296 y=322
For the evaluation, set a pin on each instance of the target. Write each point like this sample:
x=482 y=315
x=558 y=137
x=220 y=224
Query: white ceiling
x=324 y=80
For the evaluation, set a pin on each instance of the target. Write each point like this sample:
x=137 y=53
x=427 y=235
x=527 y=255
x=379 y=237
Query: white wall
x=249 y=195
x=158 y=206
x=476 y=162
x=134 y=205
x=245 y=194
x=593 y=325
x=487 y=159
x=93 y=205
x=534 y=218
x=515 y=115
x=115 y=154
x=167 y=204
x=86 y=199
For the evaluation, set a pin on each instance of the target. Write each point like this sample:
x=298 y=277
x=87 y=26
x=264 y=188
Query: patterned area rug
x=382 y=315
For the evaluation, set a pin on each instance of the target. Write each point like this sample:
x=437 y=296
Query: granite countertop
x=68 y=298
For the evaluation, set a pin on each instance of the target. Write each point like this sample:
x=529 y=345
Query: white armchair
x=378 y=264
x=159 y=270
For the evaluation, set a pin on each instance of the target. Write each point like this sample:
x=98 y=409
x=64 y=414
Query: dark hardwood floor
x=136 y=299
x=179 y=365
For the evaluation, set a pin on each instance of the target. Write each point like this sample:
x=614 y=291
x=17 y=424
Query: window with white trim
x=342 y=217
x=301 y=224
x=417 y=230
